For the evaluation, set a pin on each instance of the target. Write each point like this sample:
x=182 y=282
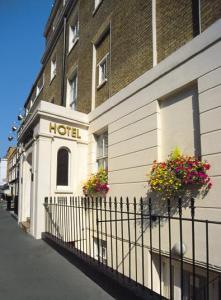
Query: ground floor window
x=100 y=250
x=62 y=167
x=200 y=287
x=102 y=150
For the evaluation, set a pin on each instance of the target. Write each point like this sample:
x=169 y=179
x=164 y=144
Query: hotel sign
x=64 y=130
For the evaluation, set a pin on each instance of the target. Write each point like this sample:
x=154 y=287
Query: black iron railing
x=163 y=250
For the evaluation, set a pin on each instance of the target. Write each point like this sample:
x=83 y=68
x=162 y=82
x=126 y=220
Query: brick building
x=138 y=78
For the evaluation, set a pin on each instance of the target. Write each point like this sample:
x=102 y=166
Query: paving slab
x=31 y=270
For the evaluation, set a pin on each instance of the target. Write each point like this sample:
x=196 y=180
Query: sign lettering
x=64 y=130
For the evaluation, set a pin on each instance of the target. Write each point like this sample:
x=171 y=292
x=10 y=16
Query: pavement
x=31 y=270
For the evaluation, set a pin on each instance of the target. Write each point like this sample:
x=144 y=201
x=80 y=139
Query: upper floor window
x=97 y=3
x=53 y=67
x=73 y=34
x=73 y=91
x=103 y=70
x=40 y=85
x=102 y=150
x=62 y=167
x=57 y=18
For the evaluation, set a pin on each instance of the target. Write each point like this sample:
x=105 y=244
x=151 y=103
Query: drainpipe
x=63 y=102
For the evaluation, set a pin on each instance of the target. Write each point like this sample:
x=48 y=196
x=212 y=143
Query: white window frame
x=102 y=155
x=71 y=100
x=53 y=67
x=97 y=3
x=102 y=250
x=40 y=87
x=102 y=77
x=73 y=34
x=64 y=188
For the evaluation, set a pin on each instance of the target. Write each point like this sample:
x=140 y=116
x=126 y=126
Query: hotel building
x=121 y=84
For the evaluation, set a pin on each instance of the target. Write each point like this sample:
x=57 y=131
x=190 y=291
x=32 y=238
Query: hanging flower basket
x=179 y=174
x=97 y=184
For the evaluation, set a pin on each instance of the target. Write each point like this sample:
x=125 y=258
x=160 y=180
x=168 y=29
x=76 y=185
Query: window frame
x=53 y=67
x=98 y=254
x=70 y=80
x=59 y=186
x=40 y=87
x=102 y=160
x=102 y=79
x=97 y=4
x=73 y=35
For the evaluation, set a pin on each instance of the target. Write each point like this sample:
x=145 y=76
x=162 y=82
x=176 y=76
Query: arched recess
x=63 y=165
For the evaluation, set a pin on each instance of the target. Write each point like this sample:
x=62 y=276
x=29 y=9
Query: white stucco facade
x=39 y=159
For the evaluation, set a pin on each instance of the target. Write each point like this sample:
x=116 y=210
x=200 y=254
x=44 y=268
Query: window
x=97 y=3
x=53 y=67
x=100 y=250
x=40 y=86
x=102 y=71
x=200 y=287
x=62 y=167
x=73 y=34
x=56 y=18
x=102 y=150
x=73 y=91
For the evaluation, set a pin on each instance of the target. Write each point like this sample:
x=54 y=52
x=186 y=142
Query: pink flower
x=209 y=185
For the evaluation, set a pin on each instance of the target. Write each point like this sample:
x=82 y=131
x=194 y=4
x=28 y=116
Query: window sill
x=96 y=8
x=60 y=190
x=101 y=84
x=73 y=46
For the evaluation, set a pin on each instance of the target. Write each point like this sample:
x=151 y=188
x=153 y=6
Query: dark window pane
x=62 y=167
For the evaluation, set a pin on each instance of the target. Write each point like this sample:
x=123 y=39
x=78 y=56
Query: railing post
x=111 y=232
x=151 y=258
x=46 y=213
x=142 y=239
x=135 y=236
x=122 y=234
x=97 y=224
x=129 y=236
x=170 y=252
x=192 y=207
x=116 y=232
x=181 y=244
x=207 y=260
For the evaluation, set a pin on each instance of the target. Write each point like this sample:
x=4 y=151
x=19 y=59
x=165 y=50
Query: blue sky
x=21 y=47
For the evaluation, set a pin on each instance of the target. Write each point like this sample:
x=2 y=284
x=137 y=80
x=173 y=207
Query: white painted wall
x=188 y=86
x=44 y=149
x=140 y=131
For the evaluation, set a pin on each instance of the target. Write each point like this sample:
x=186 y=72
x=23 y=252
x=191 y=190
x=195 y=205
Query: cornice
x=52 y=41
x=44 y=110
x=54 y=9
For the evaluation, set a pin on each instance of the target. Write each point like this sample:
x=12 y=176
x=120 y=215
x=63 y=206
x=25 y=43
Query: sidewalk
x=31 y=270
